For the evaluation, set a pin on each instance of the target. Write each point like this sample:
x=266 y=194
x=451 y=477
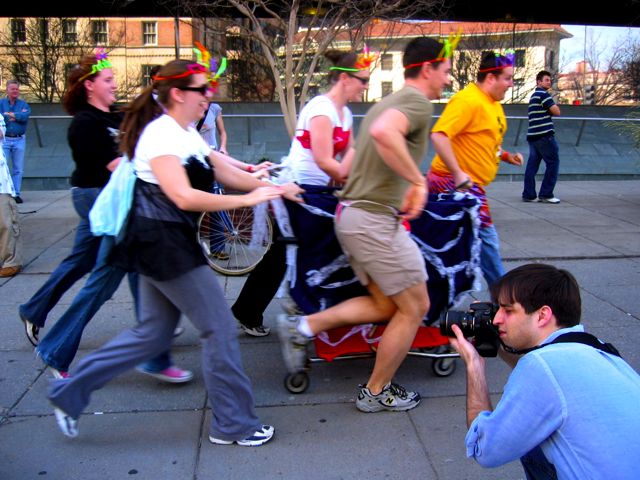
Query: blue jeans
x=490 y=261
x=80 y=262
x=537 y=467
x=59 y=347
x=13 y=148
x=545 y=148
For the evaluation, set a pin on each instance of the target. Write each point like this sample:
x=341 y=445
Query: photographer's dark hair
x=535 y=285
x=417 y=51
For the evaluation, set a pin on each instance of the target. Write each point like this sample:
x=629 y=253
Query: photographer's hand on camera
x=477 y=391
x=466 y=349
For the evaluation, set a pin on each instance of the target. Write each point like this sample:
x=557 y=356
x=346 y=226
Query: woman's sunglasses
x=364 y=81
x=202 y=89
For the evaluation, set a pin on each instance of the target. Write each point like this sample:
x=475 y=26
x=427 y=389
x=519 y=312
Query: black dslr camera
x=477 y=322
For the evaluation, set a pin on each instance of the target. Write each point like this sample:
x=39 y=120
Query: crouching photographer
x=570 y=407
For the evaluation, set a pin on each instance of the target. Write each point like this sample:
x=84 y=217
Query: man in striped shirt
x=542 y=143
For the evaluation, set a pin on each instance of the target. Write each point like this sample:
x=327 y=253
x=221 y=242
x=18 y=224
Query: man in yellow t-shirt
x=467 y=139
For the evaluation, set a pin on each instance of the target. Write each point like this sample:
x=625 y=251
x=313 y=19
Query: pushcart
x=447 y=235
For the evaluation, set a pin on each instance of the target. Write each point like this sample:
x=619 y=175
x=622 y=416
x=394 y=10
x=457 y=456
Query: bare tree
x=479 y=38
x=293 y=35
x=606 y=68
x=45 y=51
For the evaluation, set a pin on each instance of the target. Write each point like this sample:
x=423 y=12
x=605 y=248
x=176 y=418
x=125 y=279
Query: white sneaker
x=553 y=200
x=68 y=425
x=259 y=437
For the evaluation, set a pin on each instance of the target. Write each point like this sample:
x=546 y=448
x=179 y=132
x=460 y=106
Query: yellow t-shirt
x=475 y=123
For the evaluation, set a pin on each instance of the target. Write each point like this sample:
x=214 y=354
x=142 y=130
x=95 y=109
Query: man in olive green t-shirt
x=385 y=188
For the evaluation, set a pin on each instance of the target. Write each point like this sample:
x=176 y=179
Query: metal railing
x=250 y=136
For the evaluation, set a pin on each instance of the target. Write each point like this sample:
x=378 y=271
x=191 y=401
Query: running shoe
x=172 y=374
x=392 y=398
x=552 y=200
x=259 y=437
x=259 y=331
x=68 y=425
x=292 y=342
x=59 y=374
x=32 y=331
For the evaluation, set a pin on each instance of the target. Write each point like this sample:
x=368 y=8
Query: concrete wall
x=601 y=153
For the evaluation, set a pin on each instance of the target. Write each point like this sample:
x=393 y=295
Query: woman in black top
x=93 y=136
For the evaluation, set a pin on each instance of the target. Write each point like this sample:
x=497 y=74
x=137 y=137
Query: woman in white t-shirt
x=320 y=155
x=175 y=170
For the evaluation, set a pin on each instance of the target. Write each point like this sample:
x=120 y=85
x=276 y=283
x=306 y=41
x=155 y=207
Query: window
x=234 y=43
x=518 y=84
x=99 y=32
x=146 y=74
x=69 y=33
x=20 y=73
x=386 y=88
x=386 y=61
x=43 y=25
x=519 y=60
x=149 y=33
x=67 y=69
x=18 y=30
x=551 y=58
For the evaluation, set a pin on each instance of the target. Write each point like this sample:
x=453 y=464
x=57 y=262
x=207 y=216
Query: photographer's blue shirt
x=578 y=403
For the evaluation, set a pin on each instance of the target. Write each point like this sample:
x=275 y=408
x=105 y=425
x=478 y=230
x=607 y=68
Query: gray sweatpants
x=198 y=295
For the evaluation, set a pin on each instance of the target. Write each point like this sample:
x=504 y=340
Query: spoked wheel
x=297 y=382
x=225 y=238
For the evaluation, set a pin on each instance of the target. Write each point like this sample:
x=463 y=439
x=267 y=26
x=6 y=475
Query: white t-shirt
x=304 y=168
x=164 y=136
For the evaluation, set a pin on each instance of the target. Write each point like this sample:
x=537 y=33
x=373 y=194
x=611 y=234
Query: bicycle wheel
x=225 y=238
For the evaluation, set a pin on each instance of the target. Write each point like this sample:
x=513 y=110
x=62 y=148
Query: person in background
x=175 y=171
x=10 y=243
x=542 y=143
x=211 y=126
x=16 y=116
x=95 y=126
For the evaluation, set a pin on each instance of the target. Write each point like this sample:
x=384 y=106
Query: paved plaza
x=138 y=428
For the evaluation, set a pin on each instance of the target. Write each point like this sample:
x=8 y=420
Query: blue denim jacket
x=21 y=110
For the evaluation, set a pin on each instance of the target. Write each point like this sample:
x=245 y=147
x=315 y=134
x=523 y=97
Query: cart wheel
x=443 y=367
x=297 y=382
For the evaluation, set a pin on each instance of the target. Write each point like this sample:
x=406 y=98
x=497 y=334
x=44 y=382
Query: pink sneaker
x=172 y=374
x=59 y=374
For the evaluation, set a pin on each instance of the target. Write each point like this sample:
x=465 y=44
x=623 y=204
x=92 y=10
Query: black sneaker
x=392 y=398
x=18 y=199
x=259 y=331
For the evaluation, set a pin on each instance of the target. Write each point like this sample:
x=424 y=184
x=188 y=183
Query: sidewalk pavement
x=137 y=427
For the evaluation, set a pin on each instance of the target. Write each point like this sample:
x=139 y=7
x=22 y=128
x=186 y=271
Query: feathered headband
x=363 y=62
x=205 y=64
x=449 y=45
x=502 y=61
x=102 y=62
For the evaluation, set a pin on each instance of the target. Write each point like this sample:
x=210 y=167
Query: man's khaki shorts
x=379 y=248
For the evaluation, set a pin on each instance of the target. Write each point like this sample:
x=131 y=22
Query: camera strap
x=572 y=337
